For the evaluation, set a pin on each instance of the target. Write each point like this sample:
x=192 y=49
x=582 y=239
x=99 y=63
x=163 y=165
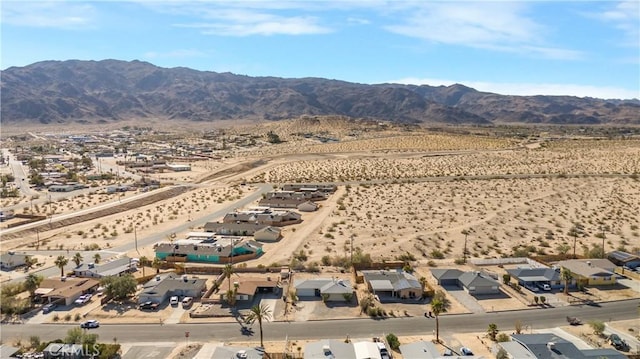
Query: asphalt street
x=362 y=328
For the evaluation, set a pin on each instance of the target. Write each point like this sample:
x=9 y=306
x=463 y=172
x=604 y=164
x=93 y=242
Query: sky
x=586 y=48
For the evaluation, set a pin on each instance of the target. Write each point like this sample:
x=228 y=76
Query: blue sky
x=588 y=48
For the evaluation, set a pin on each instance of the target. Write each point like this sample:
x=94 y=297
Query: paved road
x=449 y=324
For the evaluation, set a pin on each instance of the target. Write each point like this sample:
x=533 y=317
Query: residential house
x=298 y=203
x=158 y=289
x=475 y=283
x=427 y=350
x=308 y=206
x=536 y=277
x=65 y=290
x=301 y=187
x=264 y=216
x=366 y=350
x=219 y=250
x=395 y=284
x=234 y=228
x=624 y=259
x=116 y=267
x=329 y=348
x=236 y=352
x=246 y=288
x=12 y=260
x=589 y=271
x=268 y=234
x=329 y=289
x=7 y=351
x=551 y=346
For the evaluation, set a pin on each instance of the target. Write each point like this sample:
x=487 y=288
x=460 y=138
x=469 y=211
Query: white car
x=90 y=324
x=174 y=300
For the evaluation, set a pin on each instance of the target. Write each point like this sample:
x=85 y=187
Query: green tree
x=60 y=262
x=31 y=283
x=273 y=137
x=96 y=258
x=77 y=259
x=506 y=278
x=120 y=287
x=439 y=304
x=543 y=299
x=566 y=276
x=503 y=337
x=493 y=331
x=536 y=299
x=157 y=264
x=597 y=326
x=393 y=341
x=260 y=314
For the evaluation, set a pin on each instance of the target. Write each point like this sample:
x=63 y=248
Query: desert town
x=322 y=221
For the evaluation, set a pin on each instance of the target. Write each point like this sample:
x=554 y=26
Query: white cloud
x=624 y=16
x=48 y=14
x=244 y=23
x=497 y=26
x=531 y=89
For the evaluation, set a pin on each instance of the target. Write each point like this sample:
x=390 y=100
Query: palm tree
x=157 y=264
x=96 y=258
x=144 y=261
x=566 y=276
x=60 y=262
x=31 y=283
x=228 y=272
x=439 y=304
x=77 y=259
x=259 y=313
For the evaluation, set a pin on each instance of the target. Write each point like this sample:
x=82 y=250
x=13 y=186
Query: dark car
x=90 y=324
x=48 y=308
x=617 y=342
x=148 y=306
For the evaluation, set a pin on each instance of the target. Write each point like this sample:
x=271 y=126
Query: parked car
x=187 y=301
x=148 y=306
x=465 y=351
x=384 y=353
x=545 y=287
x=617 y=342
x=90 y=324
x=48 y=308
x=174 y=300
x=447 y=353
x=83 y=299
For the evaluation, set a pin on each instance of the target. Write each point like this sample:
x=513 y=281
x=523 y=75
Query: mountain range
x=107 y=91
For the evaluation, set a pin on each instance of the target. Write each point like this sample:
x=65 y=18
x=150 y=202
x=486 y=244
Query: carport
x=381 y=287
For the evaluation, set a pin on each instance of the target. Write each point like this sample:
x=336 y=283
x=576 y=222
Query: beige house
x=65 y=290
x=268 y=234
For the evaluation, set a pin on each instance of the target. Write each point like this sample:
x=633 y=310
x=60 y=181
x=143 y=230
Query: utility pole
x=351 y=249
x=603 y=237
x=464 y=251
x=135 y=236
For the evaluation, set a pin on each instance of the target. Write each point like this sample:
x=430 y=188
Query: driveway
x=464 y=298
x=151 y=351
x=176 y=314
x=633 y=284
x=634 y=344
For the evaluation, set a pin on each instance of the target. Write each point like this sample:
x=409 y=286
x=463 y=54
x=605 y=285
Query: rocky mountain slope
x=111 y=90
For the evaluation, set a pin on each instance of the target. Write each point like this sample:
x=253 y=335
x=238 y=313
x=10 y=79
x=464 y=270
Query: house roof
x=420 y=350
x=12 y=257
x=623 y=257
x=476 y=279
x=366 y=350
x=586 y=268
x=160 y=285
x=329 y=349
x=446 y=274
x=113 y=267
x=535 y=274
x=238 y=227
x=7 y=351
x=51 y=287
x=337 y=287
x=538 y=345
x=250 y=285
x=226 y=352
x=390 y=280
x=219 y=246
x=325 y=285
